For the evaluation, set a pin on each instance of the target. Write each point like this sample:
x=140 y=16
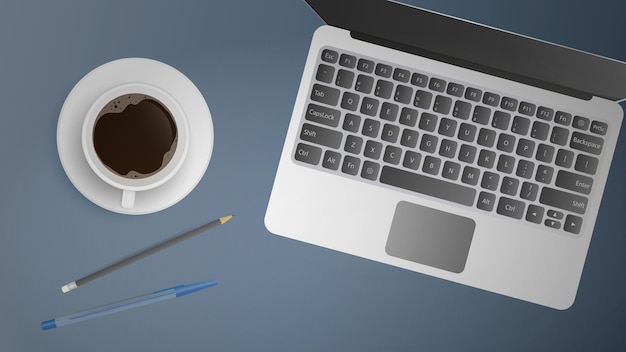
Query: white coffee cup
x=115 y=108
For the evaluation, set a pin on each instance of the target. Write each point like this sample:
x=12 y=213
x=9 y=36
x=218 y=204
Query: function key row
x=458 y=90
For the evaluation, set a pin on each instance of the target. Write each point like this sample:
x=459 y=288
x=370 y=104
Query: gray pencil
x=133 y=258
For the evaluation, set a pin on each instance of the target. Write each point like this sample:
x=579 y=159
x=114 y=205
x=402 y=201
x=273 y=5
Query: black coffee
x=135 y=136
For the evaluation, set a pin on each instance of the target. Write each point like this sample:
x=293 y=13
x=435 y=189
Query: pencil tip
x=67 y=288
x=224 y=219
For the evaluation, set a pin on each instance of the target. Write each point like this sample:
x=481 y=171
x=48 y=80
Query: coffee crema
x=135 y=136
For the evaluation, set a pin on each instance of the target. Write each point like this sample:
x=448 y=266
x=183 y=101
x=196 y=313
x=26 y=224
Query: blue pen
x=156 y=296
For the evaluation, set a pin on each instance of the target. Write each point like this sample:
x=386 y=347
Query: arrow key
x=573 y=224
x=534 y=214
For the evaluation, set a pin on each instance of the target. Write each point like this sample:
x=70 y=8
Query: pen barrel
x=115 y=307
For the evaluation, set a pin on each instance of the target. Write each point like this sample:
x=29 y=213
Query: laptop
x=448 y=148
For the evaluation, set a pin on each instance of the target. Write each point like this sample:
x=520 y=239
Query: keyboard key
x=428 y=122
x=461 y=110
x=418 y=79
x=447 y=127
x=564 y=158
x=412 y=160
x=428 y=143
x=491 y=99
x=586 y=164
x=552 y=224
x=486 y=201
x=308 y=154
x=423 y=99
x=486 y=158
x=470 y=176
x=525 y=169
x=508 y=104
x=442 y=105
x=351 y=123
x=473 y=94
x=365 y=65
x=529 y=191
x=506 y=143
x=582 y=123
x=383 y=89
x=389 y=111
x=501 y=120
x=555 y=214
x=371 y=128
x=408 y=117
x=586 y=143
x=534 y=214
x=409 y=138
x=545 y=153
x=598 y=127
x=573 y=224
x=383 y=70
x=467 y=153
x=540 y=130
x=401 y=75
x=325 y=73
x=544 y=174
x=490 y=181
x=403 y=94
x=481 y=115
x=509 y=186
x=506 y=163
x=330 y=56
x=323 y=115
x=324 y=94
x=370 y=170
x=344 y=78
x=331 y=160
x=373 y=150
x=563 y=118
x=520 y=125
x=574 y=182
x=525 y=148
x=563 y=200
x=451 y=170
x=545 y=113
x=390 y=133
x=319 y=135
x=436 y=84
x=455 y=89
x=428 y=186
x=486 y=137
x=467 y=132
x=369 y=106
x=350 y=101
x=353 y=144
x=351 y=165
x=559 y=135
x=511 y=208
x=527 y=108
x=364 y=84
x=431 y=165
x=448 y=148
x=348 y=61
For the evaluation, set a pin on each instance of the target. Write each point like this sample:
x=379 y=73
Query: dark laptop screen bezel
x=477 y=47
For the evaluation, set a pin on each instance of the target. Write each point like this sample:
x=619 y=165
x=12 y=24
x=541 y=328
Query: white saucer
x=116 y=73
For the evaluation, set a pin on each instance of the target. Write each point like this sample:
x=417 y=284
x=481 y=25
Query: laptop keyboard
x=379 y=123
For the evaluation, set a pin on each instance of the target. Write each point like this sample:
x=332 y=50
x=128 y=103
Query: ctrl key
x=308 y=154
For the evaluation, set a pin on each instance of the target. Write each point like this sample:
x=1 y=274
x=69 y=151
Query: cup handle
x=128 y=199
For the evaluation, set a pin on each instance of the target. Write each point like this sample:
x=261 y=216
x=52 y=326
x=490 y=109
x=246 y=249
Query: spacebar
x=428 y=186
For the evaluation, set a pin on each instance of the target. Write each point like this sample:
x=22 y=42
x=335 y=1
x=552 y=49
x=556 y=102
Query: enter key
x=574 y=182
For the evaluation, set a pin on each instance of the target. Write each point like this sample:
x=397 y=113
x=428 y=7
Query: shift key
x=320 y=135
x=563 y=200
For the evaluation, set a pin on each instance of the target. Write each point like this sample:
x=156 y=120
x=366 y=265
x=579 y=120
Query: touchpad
x=430 y=237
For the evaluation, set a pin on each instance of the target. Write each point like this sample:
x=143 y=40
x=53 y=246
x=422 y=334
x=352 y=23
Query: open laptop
x=449 y=148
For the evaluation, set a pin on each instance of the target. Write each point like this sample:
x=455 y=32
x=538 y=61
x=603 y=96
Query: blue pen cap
x=187 y=289
x=48 y=324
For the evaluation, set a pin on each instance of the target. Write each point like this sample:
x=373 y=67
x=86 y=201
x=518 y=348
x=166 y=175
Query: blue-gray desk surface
x=275 y=294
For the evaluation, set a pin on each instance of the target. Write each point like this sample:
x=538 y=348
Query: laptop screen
x=477 y=47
